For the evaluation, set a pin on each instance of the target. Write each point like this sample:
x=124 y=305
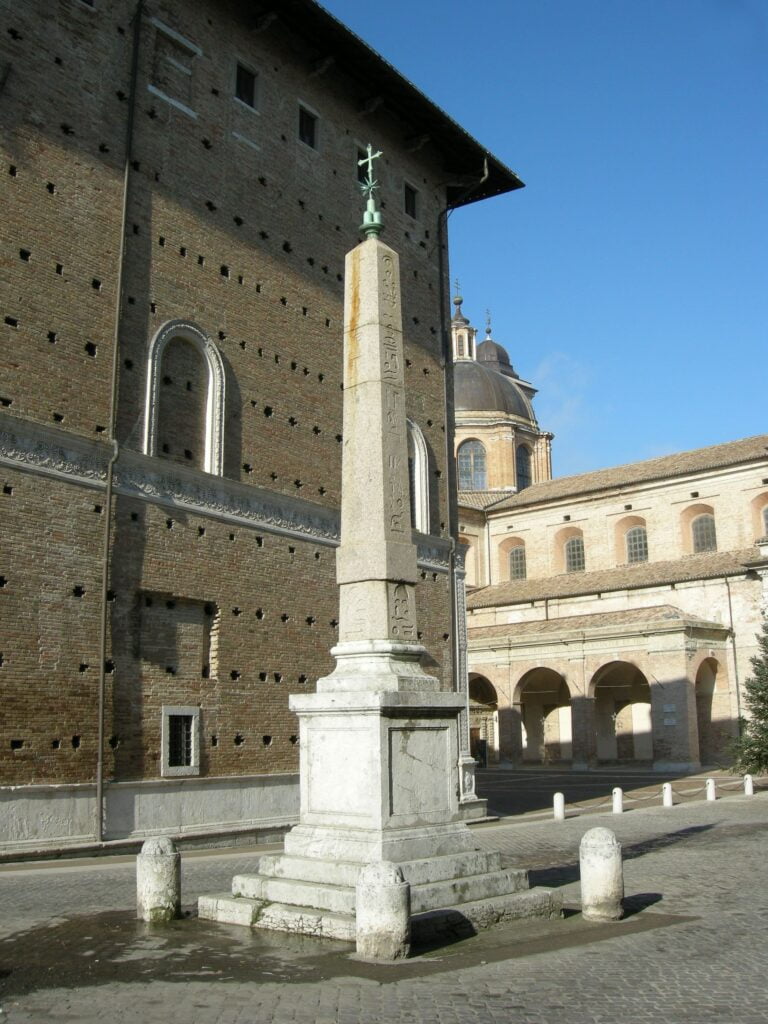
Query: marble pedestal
x=379 y=783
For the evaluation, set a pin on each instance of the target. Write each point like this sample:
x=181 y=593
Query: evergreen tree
x=750 y=751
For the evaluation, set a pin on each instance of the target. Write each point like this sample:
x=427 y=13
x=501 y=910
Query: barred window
x=765 y=521
x=574 y=555
x=180 y=741
x=637 y=544
x=471 y=460
x=517 y=563
x=703 y=533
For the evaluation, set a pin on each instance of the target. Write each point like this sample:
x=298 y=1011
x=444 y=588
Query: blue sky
x=629 y=279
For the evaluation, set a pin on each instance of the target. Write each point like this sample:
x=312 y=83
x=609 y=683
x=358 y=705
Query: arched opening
x=184 y=412
x=569 y=554
x=631 y=540
x=545 y=711
x=712 y=712
x=472 y=469
x=418 y=474
x=483 y=720
x=523 y=467
x=622 y=713
x=698 y=529
x=760 y=516
x=512 y=565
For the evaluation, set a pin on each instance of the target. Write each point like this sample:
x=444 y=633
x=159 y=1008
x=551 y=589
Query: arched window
x=471 y=460
x=184 y=413
x=418 y=474
x=574 y=554
x=523 y=460
x=517 y=569
x=637 y=544
x=703 y=533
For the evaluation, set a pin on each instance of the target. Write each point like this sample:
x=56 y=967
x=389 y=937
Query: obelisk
x=380 y=741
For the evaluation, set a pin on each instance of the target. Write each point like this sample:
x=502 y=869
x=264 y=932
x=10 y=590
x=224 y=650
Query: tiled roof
x=749 y=449
x=481 y=499
x=658 y=615
x=624 y=577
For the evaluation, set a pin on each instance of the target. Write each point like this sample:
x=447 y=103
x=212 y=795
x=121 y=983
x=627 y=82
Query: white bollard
x=666 y=795
x=711 y=789
x=558 y=805
x=602 y=875
x=617 y=798
x=749 y=786
x=158 y=881
x=383 y=913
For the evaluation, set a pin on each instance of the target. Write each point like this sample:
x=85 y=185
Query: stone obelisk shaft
x=376 y=562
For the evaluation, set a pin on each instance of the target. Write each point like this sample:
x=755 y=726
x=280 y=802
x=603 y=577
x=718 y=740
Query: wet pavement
x=691 y=948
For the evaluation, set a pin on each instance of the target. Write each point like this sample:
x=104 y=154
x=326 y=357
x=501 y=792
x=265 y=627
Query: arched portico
x=483 y=719
x=545 y=717
x=713 y=718
x=622 y=713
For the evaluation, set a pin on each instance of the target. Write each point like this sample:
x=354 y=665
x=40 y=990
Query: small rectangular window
x=180 y=741
x=410 y=200
x=307 y=128
x=245 y=85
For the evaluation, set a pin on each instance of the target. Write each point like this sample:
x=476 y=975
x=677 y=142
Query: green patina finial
x=372 y=225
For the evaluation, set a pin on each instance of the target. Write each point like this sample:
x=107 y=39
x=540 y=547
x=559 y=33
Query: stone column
x=583 y=737
x=673 y=706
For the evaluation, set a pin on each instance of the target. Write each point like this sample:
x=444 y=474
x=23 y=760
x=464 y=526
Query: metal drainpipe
x=99 y=811
x=733 y=648
x=447 y=355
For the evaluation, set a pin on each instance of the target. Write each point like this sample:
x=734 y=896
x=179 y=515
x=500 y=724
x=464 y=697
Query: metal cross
x=370 y=183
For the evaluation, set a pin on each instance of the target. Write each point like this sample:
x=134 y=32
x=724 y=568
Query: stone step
x=338 y=899
x=471 y=888
x=417 y=872
x=228 y=909
x=454 y=921
x=469 y=918
x=279 y=917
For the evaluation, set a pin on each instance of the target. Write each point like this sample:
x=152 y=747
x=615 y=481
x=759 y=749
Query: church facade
x=181 y=183
x=612 y=615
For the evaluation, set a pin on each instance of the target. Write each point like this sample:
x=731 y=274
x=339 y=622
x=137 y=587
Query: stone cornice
x=49 y=451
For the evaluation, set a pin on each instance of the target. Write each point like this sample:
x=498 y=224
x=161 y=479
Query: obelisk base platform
x=379 y=782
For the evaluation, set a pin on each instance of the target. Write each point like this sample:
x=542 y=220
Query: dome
x=477 y=388
x=490 y=352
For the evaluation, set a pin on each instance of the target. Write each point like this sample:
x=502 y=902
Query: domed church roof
x=478 y=388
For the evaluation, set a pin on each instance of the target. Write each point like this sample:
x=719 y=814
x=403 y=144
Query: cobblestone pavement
x=691 y=949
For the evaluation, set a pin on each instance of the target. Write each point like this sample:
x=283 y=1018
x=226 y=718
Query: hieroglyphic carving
x=399 y=513
x=402 y=613
x=393 y=408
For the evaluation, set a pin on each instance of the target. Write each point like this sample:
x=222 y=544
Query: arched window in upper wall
x=637 y=544
x=703 y=533
x=184 y=411
x=523 y=460
x=517 y=570
x=418 y=475
x=472 y=473
x=574 y=555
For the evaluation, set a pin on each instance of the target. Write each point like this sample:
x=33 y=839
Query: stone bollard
x=158 y=881
x=383 y=911
x=711 y=789
x=558 y=804
x=617 y=799
x=602 y=876
x=666 y=795
x=749 y=786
